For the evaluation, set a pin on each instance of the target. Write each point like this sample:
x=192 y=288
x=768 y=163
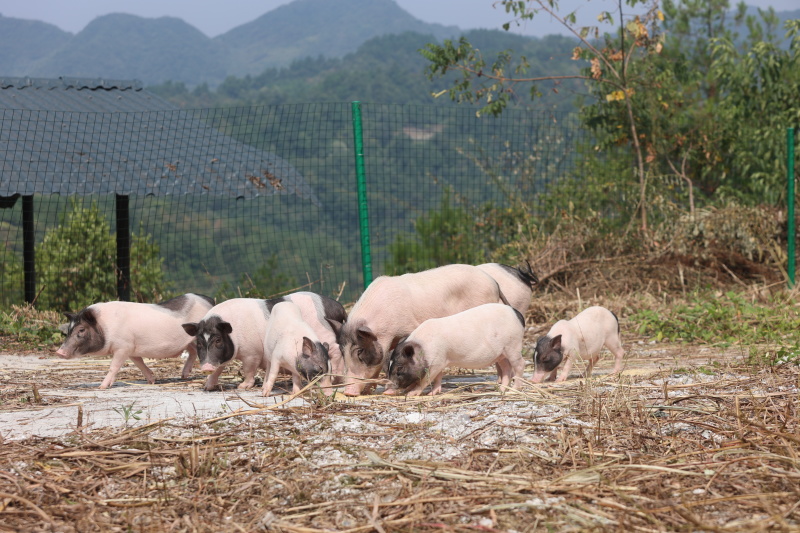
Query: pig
x=292 y=344
x=326 y=317
x=130 y=330
x=583 y=336
x=476 y=338
x=233 y=329
x=515 y=283
x=393 y=306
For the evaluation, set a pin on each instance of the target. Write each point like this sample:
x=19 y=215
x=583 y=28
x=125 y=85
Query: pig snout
x=208 y=367
x=62 y=353
x=353 y=388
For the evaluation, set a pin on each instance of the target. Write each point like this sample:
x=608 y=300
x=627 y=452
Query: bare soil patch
x=688 y=438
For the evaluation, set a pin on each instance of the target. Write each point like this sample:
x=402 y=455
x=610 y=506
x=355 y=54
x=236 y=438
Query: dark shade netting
x=246 y=201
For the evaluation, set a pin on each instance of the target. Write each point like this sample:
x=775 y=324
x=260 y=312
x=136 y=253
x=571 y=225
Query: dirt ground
x=688 y=438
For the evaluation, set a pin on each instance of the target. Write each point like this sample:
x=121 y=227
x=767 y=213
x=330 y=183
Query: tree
x=609 y=69
x=76 y=262
x=441 y=237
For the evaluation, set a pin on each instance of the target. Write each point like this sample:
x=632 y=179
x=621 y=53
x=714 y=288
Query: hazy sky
x=216 y=17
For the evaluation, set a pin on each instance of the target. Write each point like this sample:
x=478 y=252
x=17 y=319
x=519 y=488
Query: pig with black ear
x=393 y=306
x=292 y=344
x=130 y=330
x=583 y=336
x=234 y=329
x=516 y=283
x=326 y=317
x=476 y=338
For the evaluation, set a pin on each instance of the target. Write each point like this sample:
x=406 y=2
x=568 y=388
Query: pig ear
x=396 y=341
x=308 y=345
x=190 y=328
x=408 y=350
x=364 y=333
x=225 y=327
x=556 y=342
x=64 y=328
x=70 y=316
x=336 y=325
x=89 y=317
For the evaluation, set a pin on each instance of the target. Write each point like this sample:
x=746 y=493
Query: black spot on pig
x=313 y=359
x=333 y=310
x=519 y=317
x=406 y=367
x=548 y=353
x=526 y=276
x=213 y=338
x=183 y=302
x=84 y=333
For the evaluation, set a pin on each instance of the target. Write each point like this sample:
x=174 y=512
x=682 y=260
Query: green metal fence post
x=363 y=215
x=790 y=211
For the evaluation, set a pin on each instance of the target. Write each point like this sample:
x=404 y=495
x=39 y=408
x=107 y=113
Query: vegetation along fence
x=261 y=200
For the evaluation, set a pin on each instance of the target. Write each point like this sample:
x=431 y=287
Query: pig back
x=249 y=319
x=402 y=303
x=147 y=328
x=476 y=333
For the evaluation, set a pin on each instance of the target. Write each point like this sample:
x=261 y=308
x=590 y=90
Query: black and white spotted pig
x=130 y=330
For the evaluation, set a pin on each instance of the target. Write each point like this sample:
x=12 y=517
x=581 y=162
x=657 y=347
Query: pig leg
x=117 y=361
x=567 y=367
x=213 y=379
x=297 y=382
x=148 y=374
x=187 y=367
x=270 y=377
x=616 y=348
x=504 y=372
x=517 y=364
x=436 y=386
x=249 y=369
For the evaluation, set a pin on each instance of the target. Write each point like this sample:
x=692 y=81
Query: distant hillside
x=308 y=28
x=126 y=46
x=386 y=69
x=157 y=50
x=23 y=42
x=168 y=49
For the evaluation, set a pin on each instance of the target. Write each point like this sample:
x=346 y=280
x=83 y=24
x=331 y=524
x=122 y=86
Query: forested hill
x=386 y=69
x=155 y=50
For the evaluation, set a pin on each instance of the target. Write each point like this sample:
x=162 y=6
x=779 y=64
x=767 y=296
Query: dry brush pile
x=662 y=452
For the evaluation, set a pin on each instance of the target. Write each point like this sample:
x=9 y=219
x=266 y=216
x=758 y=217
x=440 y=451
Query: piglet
x=130 y=330
x=233 y=329
x=476 y=338
x=583 y=336
x=291 y=344
x=326 y=317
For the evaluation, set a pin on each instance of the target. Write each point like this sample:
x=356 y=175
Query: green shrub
x=76 y=263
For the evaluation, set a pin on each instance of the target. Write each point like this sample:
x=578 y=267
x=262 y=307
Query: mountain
x=24 y=42
x=306 y=28
x=127 y=46
x=167 y=48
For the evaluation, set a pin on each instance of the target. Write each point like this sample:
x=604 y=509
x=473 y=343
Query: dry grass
x=661 y=452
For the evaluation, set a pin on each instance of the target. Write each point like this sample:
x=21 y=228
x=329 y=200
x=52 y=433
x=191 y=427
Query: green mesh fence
x=255 y=201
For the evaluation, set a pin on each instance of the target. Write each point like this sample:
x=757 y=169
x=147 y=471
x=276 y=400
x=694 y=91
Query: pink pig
x=326 y=317
x=393 y=306
x=234 y=329
x=583 y=336
x=130 y=330
x=291 y=344
x=475 y=338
